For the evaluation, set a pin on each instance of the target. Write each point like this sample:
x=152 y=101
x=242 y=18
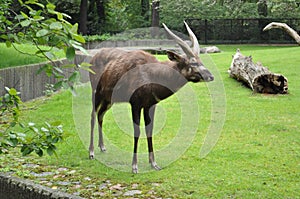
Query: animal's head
x=190 y=65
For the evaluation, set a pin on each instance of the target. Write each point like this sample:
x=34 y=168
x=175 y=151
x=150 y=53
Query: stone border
x=12 y=187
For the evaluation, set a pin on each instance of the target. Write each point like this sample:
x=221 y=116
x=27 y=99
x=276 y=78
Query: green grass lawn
x=11 y=57
x=256 y=156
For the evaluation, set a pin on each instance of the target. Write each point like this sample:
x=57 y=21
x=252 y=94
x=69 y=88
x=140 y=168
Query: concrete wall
x=130 y=43
x=14 y=188
x=30 y=84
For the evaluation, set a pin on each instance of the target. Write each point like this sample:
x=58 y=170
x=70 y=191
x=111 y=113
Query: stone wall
x=13 y=188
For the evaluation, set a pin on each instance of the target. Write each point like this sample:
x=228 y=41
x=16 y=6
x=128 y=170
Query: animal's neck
x=171 y=80
x=172 y=64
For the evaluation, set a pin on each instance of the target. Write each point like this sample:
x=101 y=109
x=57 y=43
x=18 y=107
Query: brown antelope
x=139 y=78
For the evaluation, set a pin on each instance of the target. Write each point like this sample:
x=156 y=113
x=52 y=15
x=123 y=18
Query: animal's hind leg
x=103 y=108
x=149 y=120
x=93 y=114
x=136 y=115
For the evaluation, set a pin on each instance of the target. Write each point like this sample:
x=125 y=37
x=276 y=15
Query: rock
x=62 y=169
x=29 y=165
x=76 y=193
x=87 y=179
x=72 y=172
x=210 y=49
x=76 y=182
x=77 y=186
x=132 y=193
x=134 y=186
x=99 y=194
x=117 y=193
x=155 y=184
x=62 y=183
x=116 y=187
x=91 y=186
x=43 y=174
x=103 y=186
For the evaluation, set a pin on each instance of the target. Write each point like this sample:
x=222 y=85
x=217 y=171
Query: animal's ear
x=174 y=56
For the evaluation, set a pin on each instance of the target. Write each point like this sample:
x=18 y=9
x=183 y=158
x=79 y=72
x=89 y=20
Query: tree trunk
x=256 y=76
x=286 y=28
x=262 y=8
x=83 y=17
x=155 y=19
x=155 y=13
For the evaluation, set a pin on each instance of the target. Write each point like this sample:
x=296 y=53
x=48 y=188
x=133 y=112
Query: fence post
x=205 y=32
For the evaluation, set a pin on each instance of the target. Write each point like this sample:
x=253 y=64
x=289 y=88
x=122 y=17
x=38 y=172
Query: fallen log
x=256 y=76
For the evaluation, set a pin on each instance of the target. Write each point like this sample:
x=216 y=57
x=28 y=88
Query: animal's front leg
x=136 y=115
x=149 y=120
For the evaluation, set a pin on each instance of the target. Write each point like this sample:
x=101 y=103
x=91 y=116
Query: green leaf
x=24 y=15
x=44 y=129
x=38 y=4
x=25 y=23
x=79 y=47
x=13 y=124
x=12 y=91
x=41 y=69
x=4 y=37
x=58 y=85
x=21 y=34
x=74 y=28
x=26 y=149
x=42 y=33
x=8 y=43
x=34 y=129
x=39 y=152
x=74 y=77
x=70 y=53
x=50 y=6
x=56 y=123
x=38 y=18
x=49 y=54
x=56 y=26
x=79 y=38
x=59 y=16
x=50 y=151
x=89 y=70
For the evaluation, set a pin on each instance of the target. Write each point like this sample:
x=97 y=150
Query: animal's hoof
x=155 y=166
x=134 y=169
x=103 y=149
x=92 y=157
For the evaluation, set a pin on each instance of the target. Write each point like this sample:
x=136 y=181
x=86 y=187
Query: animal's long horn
x=193 y=38
x=185 y=47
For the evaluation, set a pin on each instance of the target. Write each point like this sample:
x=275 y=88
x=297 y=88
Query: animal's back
x=113 y=62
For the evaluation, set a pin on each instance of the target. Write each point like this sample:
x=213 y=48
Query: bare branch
x=284 y=27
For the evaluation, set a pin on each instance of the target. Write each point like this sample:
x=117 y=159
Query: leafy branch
x=29 y=138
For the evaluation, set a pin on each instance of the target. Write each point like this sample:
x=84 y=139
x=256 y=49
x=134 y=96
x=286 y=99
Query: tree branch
x=284 y=27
